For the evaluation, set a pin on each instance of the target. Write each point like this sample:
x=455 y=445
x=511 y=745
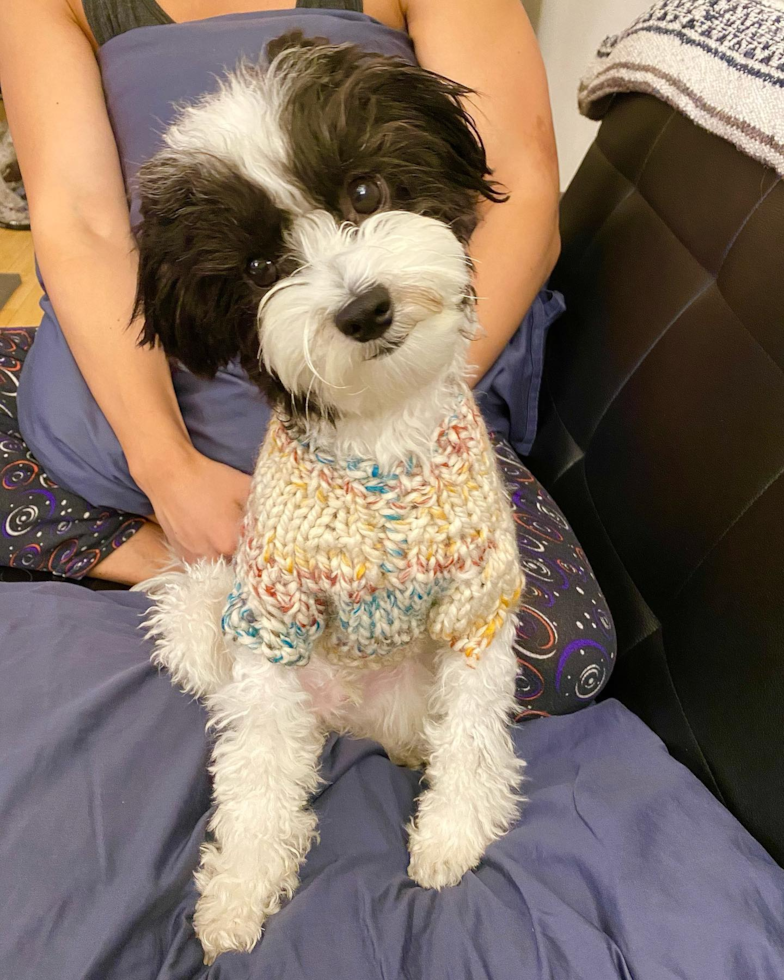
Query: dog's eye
x=263 y=272
x=365 y=195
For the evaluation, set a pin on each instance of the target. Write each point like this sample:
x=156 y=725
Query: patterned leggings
x=565 y=637
x=42 y=527
x=565 y=634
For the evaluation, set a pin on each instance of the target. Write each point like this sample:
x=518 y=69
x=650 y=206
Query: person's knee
x=565 y=659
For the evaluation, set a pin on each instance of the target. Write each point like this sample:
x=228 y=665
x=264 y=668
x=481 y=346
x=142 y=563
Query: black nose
x=367 y=317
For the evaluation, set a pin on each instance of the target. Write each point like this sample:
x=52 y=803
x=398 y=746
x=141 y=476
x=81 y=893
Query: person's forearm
x=91 y=280
x=514 y=250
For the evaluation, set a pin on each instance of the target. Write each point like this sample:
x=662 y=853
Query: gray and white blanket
x=719 y=62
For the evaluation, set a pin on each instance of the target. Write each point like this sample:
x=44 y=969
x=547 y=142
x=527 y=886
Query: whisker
x=307 y=400
x=277 y=288
x=309 y=360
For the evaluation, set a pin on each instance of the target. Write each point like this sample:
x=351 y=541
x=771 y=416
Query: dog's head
x=311 y=218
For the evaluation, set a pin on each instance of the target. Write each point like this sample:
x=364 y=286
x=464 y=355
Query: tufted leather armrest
x=662 y=438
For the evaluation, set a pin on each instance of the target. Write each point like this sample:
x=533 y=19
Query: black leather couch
x=662 y=438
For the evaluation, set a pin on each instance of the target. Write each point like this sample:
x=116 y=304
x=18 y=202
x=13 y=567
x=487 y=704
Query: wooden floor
x=16 y=255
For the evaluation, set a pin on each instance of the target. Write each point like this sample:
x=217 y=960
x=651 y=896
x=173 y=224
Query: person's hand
x=198 y=503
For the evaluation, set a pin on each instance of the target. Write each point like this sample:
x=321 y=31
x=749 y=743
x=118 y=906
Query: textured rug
x=719 y=62
x=8 y=283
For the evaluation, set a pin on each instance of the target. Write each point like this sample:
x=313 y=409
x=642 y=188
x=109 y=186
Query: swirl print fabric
x=42 y=527
x=565 y=642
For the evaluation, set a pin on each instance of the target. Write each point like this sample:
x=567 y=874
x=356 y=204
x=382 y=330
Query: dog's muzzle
x=368 y=316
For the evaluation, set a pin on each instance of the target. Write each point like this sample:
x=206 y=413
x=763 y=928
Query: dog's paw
x=238 y=894
x=447 y=838
x=225 y=923
x=442 y=851
x=437 y=871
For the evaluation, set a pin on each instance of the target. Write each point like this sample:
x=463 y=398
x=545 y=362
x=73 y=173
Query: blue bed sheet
x=623 y=865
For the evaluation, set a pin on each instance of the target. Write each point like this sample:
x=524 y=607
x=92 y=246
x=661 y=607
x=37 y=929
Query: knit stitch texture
x=719 y=62
x=369 y=560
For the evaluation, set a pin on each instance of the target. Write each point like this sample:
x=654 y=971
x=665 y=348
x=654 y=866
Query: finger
x=228 y=549
x=185 y=555
x=182 y=551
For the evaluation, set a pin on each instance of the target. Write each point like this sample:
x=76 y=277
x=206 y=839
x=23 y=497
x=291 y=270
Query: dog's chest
x=359 y=558
x=378 y=547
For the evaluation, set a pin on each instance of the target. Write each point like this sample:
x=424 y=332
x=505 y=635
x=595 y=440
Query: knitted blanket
x=719 y=62
x=368 y=561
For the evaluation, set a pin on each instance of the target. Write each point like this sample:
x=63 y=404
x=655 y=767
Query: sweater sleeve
x=278 y=618
x=473 y=608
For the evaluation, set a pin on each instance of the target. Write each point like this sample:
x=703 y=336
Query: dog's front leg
x=265 y=768
x=185 y=623
x=473 y=773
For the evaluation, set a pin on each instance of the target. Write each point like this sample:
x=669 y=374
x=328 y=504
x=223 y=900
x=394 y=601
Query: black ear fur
x=290 y=40
x=202 y=222
x=352 y=113
x=462 y=152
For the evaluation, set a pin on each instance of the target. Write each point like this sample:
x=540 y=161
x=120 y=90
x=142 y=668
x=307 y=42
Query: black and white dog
x=311 y=218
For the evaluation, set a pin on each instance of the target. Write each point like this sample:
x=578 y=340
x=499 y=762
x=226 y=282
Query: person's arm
x=491 y=48
x=81 y=229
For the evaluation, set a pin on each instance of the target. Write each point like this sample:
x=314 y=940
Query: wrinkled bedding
x=622 y=866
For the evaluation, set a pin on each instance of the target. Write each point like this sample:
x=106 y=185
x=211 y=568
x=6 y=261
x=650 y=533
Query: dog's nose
x=367 y=317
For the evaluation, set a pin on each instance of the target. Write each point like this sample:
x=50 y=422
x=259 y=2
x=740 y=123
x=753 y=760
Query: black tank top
x=108 y=18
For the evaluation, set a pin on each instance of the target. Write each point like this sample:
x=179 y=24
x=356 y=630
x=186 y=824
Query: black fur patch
x=202 y=223
x=292 y=39
x=352 y=114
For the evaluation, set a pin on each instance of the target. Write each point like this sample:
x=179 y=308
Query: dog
x=311 y=219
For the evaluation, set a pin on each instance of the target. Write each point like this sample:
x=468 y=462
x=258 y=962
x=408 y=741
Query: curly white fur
x=271 y=722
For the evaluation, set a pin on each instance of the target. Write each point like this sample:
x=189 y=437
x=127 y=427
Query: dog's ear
x=349 y=111
x=201 y=224
x=448 y=134
x=292 y=39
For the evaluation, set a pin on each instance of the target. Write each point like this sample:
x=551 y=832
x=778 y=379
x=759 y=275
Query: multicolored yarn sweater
x=368 y=561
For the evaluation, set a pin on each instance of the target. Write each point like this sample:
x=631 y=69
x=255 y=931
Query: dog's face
x=312 y=218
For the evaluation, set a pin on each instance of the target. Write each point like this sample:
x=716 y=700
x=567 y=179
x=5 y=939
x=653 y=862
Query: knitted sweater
x=369 y=561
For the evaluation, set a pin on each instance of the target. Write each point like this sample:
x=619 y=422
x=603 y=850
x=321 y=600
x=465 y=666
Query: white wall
x=569 y=32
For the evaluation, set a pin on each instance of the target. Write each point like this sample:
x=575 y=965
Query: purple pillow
x=508 y=394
